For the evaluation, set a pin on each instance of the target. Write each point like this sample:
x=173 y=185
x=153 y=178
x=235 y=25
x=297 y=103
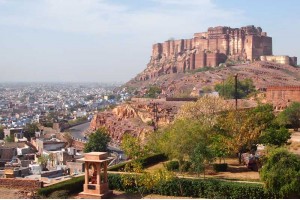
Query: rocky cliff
x=138 y=117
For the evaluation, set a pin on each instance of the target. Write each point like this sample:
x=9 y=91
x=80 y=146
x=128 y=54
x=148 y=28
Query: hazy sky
x=111 y=40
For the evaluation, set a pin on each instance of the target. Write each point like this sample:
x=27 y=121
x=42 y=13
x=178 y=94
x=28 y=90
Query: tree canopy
x=281 y=173
x=227 y=89
x=153 y=91
x=206 y=109
x=98 y=141
x=1 y=133
x=179 y=140
x=291 y=115
x=132 y=146
x=30 y=129
x=277 y=136
x=244 y=127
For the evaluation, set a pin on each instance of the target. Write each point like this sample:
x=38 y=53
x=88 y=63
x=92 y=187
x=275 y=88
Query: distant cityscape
x=23 y=103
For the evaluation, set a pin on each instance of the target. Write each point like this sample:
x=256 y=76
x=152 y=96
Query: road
x=78 y=132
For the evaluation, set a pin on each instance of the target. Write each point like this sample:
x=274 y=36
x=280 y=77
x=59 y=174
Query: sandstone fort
x=212 y=48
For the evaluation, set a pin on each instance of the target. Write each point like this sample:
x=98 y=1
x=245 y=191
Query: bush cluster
x=198 y=188
x=73 y=186
x=172 y=166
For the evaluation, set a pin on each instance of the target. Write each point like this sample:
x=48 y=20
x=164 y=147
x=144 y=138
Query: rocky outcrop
x=263 y=74
x=138 y=118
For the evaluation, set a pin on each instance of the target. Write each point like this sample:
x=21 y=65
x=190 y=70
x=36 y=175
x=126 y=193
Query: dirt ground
x=295 y=143
x=9 y=193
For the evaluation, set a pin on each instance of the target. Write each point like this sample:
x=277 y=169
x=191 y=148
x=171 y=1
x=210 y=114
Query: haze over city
x=105 y=41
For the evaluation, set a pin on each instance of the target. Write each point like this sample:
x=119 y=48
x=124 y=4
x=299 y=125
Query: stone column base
x=106 y=195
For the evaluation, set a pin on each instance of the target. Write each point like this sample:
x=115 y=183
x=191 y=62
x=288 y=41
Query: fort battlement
x=208 y=48
x=290 y=88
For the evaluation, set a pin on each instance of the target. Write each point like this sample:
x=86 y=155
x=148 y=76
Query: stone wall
x=286 y=60
x=20 y=183
x=53 y=173
x=282 y=96
x=75 y=167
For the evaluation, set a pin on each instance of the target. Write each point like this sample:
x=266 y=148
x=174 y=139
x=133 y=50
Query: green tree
x=1 y=133
x=275 y=136
x=30 y=129
x=202 y=155
x=43 y=160
x=9 y=139
x=139 y=178
x=153 y=91
x=227 y=89
x=205 y=109
x=180 y=139
x=98 y=141
x=132 y=147
x=291 y=115
x=281 y=174
x=220 y=150
x=193 y=124
x=244 y=127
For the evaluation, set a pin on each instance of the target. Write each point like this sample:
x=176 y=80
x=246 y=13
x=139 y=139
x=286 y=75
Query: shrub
x=154 y=159
x=172 y=165
x=281 y=173
x=73 y=186
x=186 y=166
x=60 y=194
x=220 y=167
x=148 y=161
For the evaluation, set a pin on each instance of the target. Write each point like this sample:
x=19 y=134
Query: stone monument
x=96 y=181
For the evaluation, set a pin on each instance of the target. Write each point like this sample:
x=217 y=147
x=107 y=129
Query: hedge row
x=148 y=161
x=154 y=159
x=197 y=188
x=74 y=185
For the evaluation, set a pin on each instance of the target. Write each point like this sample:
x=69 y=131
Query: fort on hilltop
x=211 y=48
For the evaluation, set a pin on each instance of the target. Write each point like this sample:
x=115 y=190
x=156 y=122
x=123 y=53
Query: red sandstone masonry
x=282 y=96
x=275 y=88
x=20 y=183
